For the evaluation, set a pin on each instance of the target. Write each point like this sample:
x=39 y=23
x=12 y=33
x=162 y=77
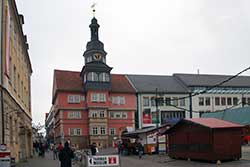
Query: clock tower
x=95 y=73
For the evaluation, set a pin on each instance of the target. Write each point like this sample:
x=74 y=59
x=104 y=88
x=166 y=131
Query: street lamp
x=157 y=119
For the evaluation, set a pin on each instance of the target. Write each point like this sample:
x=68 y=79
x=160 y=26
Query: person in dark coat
x=65 y=156
x=93 y=149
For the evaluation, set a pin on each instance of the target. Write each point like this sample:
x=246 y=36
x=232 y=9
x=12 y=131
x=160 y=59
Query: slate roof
x=149 y=83
x=238 y=115
x=71 y=81
x=211 y=80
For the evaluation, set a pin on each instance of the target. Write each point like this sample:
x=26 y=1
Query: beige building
x=15 y=73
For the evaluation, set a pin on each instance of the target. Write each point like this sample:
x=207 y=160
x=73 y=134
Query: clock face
x=97 y=56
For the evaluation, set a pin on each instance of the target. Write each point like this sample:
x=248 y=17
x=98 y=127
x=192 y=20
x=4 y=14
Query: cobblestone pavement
x=146 y=161
x=47 y=161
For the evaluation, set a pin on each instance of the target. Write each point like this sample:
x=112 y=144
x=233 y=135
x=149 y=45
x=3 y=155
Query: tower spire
x=94 y=26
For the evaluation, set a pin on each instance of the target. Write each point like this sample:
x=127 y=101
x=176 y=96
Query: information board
x=5 y=162
x=103 y=160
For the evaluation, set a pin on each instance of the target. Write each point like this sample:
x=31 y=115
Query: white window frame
x=201 y=101
x=98 y=97
x=102 y=114
x=116 y=114
x=94 y=114
x=74 y=115
x=94 y=97
x=112 y=131
x=119 y=100
x=74 y=99
x=145 y=101
x=92 y=76
x=102 y=97
x=89 y=59
x=124 y=115
x=103 y=130
x=75 y=131
x=112 y=114
x=94 y=130
x=104 y=77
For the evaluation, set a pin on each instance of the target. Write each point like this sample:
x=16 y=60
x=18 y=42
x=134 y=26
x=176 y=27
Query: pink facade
x=75 y=120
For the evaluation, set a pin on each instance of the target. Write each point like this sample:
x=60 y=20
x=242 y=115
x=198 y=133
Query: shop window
x=182 y=102
x=229 y=101
x=207 y=101
x=201 y=101
x=145 y=101
x=235 y=101
x=223 y=101
x=217 y=101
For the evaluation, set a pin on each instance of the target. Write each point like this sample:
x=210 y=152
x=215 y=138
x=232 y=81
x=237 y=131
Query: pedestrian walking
x=55 y=151
x=93 y=149
x=139 y=149
x=59 y=147
x=41 y=149
x=66 y=155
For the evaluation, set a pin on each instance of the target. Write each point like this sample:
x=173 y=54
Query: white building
x=186 y=95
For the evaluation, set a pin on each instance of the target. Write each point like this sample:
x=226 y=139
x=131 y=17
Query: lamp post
x=157 y=119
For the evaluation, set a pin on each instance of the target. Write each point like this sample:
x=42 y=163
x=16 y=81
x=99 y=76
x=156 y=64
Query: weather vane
x=93 y=8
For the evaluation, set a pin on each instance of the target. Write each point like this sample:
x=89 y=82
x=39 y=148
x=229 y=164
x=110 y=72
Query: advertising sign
x=103 y=160
x=5 y=162
x=162 y=138
x=162 y=147
x=146 y=117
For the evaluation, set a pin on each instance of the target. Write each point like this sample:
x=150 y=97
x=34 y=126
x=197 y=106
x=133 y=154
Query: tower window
x=92 y=76
x=89 y=59
x=104 y=77
x=103 y=60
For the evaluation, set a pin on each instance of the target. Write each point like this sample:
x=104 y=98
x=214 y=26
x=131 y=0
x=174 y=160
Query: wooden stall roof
x=134 y=134
x=211 y=123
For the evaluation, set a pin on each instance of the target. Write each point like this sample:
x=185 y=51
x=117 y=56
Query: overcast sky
x=158 y=37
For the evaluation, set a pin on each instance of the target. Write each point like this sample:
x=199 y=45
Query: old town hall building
x=95 y=105
x=92 y=106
